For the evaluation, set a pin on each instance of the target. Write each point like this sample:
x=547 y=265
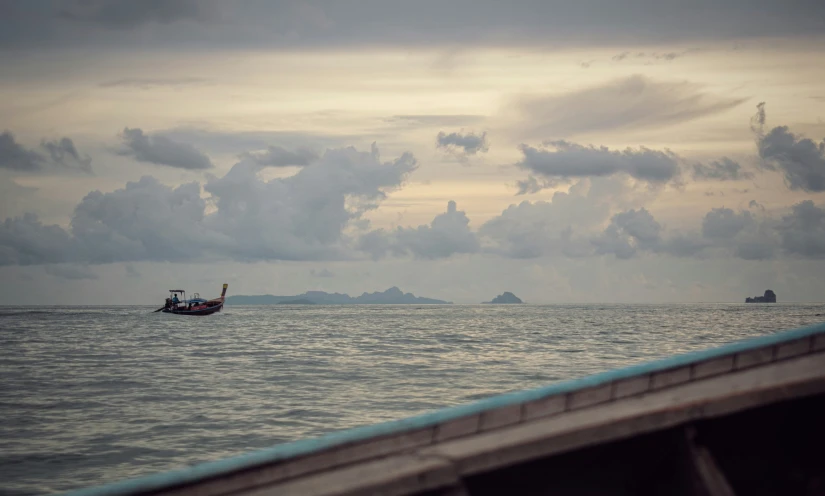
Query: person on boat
x=168 y=303
x=175 y=299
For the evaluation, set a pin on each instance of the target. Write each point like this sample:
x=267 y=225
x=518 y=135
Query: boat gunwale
x=305 y=447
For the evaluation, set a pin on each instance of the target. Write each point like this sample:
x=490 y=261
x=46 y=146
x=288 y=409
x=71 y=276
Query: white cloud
x=448 y=234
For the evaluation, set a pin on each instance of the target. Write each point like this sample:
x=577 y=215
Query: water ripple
x=90 y=395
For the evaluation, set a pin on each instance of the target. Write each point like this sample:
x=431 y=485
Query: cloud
x=240 y=142
x=435 y=120
x=562 y=159
x=801 y=160
x=321 y=273
x=561 y=227
x=723 y=169
x=301 y=217
x=634 y=102
x=449 y=233
x=374 y=23
x=145 y=220
x=628 y=232
x=162 y=151
x=131 y=271
x=13 y=195
x=146 y=83
x=803 y=231
x=56 y=156
x=277 y=156
x=15 y=157
x=127 y=14
x=469 y=143
x=71 y=272
x=26 y=241
x=64 y=154
x=650 y=56
x=724 y=223
x=531 y=185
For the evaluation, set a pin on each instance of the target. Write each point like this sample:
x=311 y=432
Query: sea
x=93 y=395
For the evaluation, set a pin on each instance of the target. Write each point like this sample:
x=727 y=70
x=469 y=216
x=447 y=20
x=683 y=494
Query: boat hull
x=198 y=312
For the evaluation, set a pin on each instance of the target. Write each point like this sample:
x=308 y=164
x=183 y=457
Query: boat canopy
x=176 y=291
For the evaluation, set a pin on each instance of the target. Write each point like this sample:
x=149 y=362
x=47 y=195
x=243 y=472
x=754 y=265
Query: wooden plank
x=753 y=358
x=631 y=416
x=672 y=377
x=590 y=396
x=713 y=367
x=316 y=462
x=793 y=348
x=499 y=417
x=819 y=342
x=545 y=406
x=632 y=386
x=710 y=474
x=457 y=428
x=396 y=475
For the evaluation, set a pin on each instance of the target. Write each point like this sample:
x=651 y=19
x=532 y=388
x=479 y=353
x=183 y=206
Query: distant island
x=506 y=297
x=392 y=296
x=769 y=297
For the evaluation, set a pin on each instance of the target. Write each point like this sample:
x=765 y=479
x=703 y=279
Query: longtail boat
x=742 y=419
x=193 y=306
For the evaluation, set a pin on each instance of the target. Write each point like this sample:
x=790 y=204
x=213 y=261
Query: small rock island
x=506 y=297
x=769 y=297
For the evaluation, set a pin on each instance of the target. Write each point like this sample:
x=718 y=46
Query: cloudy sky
x=588 y=151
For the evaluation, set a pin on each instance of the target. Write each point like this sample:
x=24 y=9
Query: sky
x=597 y=151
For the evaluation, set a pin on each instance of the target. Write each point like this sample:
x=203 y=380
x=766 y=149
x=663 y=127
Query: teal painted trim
x=307 y=446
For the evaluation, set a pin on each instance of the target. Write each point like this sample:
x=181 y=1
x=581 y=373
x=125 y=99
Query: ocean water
x=90 y=395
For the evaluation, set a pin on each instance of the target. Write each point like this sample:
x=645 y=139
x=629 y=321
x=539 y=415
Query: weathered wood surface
x=439 y=455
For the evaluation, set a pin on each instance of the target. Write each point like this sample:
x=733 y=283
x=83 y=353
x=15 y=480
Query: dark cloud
x=448 y=234
x=650 y=56
x=14 y=156
x=629 y=103
x=358 y=23
x=801 y=160
x=278 y=156
x=63 y=153
x=71 y=272
x=562 y=159
x=159 y=149
x=321 y=273
x=127 y=13
x=238 y=142
x=628 y=232
x=531 y=185
x=803 y=231
x=469 y=143
x=302 y=217
x=58 y=155
x=146 y=83
x=723 y=169
x=26 y=241
x=724 y=223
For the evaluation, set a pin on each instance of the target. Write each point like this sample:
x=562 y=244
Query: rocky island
x=769 y=297
x=506 y=297
x=392 y=296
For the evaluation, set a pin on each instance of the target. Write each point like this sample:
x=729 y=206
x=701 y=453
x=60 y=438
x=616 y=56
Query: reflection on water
x=90 y=395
